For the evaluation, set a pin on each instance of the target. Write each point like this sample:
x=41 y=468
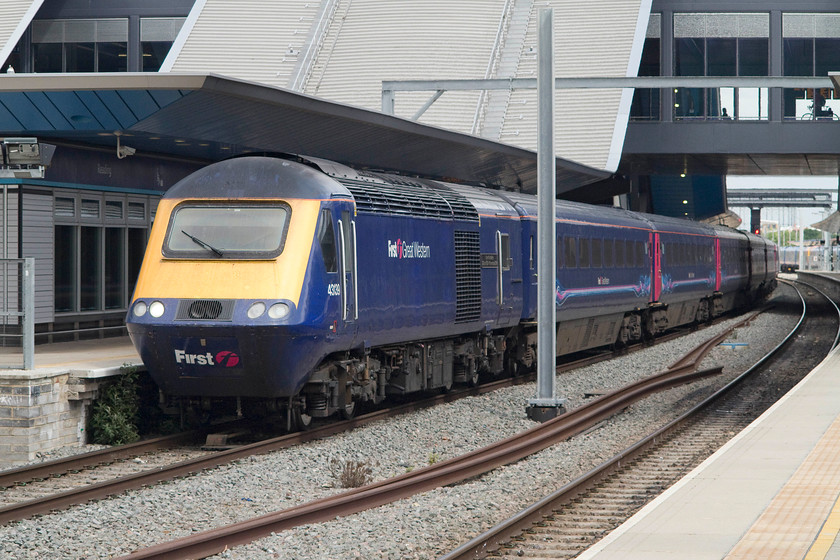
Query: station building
x=667 y=150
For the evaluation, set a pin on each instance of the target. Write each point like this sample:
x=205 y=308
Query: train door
x=504 y=292
x=717 y=264
x=349 y=269
x=656 y=262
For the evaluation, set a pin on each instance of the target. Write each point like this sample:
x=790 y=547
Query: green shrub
x=114 y=415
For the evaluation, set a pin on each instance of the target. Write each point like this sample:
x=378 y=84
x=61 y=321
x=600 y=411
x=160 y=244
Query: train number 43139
x=334 y=289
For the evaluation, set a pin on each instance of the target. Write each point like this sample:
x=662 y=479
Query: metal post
x=28 y=308
x=388 y=101
x=801 y=240
x=546 y=406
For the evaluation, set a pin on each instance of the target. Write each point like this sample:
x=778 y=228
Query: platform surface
x=83 y=358
x=770 y=493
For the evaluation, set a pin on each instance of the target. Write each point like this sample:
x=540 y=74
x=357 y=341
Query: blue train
x=313 y=287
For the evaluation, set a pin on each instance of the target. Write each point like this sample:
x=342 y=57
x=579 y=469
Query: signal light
x=757 y=231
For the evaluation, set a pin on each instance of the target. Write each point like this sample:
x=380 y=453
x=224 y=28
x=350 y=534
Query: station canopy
x=207 y=117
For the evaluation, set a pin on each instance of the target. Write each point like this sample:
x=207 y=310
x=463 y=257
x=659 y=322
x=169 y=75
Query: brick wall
x=41 y=412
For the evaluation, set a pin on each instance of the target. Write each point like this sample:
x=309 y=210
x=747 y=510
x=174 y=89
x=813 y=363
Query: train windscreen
x=230 y=231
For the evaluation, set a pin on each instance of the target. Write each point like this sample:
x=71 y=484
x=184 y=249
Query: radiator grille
x=467 y=277
x=205 y=310
x=414 y=197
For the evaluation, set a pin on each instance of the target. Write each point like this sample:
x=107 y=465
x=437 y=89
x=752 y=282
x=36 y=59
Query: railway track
x=61 y=483
x=439 y=474
x=576 y=516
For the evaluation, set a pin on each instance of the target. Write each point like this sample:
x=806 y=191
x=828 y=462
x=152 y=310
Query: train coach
x=303 y=285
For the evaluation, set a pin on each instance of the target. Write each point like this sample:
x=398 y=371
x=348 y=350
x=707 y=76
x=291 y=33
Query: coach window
x=531 y=253
x=326 y=238
x=571 y=252
x=504 y=251
x=597 y=253
x=585 y=252
x=609 y=258
x=641 y=252
x=619 y=253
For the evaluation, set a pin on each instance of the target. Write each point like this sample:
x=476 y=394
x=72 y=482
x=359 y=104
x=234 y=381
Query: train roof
x=257 y=177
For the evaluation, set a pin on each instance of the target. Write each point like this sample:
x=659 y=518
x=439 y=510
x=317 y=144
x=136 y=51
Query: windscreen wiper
x=204 y=244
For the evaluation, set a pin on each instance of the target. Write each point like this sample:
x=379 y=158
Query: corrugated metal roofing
x=255 y=40
x=356 y=44
x=15 y=16
x=433 y=39
x=592 y=39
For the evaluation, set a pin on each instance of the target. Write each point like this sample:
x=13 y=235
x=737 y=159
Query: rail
x=451 y=471
x=484 y=544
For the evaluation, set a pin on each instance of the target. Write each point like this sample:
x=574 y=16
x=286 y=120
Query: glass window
x=571 y=252
x=111 y=57
x=65 y=268
x=753 y=57
x=154 y=53
x=753 y=103
x=505 y=251
x=47 y=58
x=114 y=268
x=227 y=231
x=584 y=253
x=531 y=253
x=90 y=268
x=136 y=250
x=722 y=57
x=646 y=100
x=326 y=238
x=689 y=57
x=597 y=253
x=80 y=57
x=826 y=56
x=609 y=258
x=619 y=253
x=799 y=57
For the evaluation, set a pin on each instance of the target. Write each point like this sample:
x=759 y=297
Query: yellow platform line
x=828 y=534
x=789 y=526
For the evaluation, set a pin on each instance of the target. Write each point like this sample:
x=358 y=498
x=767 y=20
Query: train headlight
x=140 y=308
x=256 y=310
x=278 y=310
x=156 y=309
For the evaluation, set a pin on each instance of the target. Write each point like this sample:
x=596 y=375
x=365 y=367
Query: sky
x=785 y=217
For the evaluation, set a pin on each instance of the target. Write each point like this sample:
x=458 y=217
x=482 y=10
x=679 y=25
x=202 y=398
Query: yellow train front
x=236 y=296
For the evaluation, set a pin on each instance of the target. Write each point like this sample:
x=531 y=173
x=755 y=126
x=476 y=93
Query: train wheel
x=349 y=410
x=472 y=374
x=300 y=419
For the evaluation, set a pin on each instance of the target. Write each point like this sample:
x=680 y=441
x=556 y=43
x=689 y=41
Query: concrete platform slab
x=766 y=494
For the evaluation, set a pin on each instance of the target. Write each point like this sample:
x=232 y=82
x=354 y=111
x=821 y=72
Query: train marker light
x=140 y=309
x=256 y=310
x=278 y=310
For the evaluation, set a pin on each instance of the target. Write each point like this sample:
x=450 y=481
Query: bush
x=114 y=415
x=351 y=474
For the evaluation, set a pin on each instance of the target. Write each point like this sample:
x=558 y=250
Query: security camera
x=124 y=151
